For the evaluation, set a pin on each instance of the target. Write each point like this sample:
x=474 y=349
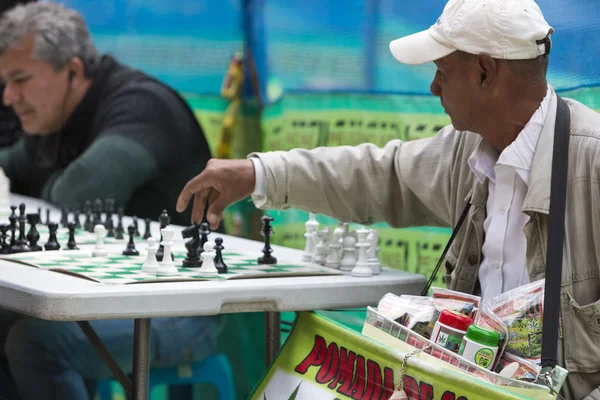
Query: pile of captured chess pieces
x=351 y=251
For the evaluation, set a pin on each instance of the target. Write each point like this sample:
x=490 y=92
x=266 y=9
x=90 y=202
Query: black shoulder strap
x=556 y=234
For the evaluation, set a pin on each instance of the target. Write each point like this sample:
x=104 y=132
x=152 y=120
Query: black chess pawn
x=164 y=220
x=204 y=232
x=64 y=217
x=52 y=243
x=76 y=216
x=192 y=260
x=4 y=244
x=266 y=232
x=33 y=236
x=219 y=263
x=147 y=233
x=109 y=205
x=136 y=227
x=120 y=229
x=47 y=216
x=71 y=244
x=130 y=250
x=87 y=210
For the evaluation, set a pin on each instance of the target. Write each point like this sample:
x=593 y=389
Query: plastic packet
x=521 y=309
x=446 y=299
x=528 y=371
x=413 y=312
x=487 y=319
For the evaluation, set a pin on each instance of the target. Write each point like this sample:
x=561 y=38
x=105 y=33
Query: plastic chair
x=214 y=370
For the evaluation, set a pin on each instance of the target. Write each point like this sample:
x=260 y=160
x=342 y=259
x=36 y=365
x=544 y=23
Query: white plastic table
x=60 y=297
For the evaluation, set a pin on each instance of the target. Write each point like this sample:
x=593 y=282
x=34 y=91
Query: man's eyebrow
x=15 y=73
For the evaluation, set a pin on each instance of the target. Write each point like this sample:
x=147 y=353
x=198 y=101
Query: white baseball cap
x=504 y=29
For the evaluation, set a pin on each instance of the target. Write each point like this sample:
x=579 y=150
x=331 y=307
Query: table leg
x=272 y=335
x=141 y=358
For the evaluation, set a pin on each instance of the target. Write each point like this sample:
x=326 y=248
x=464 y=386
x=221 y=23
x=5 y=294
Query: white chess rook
x=167 y=266
x=208 y=260
x=99 y=250
x=362 y=268
x=151 y=264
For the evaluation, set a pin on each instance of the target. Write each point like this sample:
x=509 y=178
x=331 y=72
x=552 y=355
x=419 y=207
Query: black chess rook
x=71 y=244
x=52 y=243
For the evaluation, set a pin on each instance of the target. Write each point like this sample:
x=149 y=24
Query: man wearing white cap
x=492 y=58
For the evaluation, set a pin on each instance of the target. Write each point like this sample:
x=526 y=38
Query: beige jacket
x=427 y=182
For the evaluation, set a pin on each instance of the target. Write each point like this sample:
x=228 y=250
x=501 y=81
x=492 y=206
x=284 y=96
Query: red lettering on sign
x=330 y=365
x=315 y=357
x=388 y=382
x=425 y=391
x=411 y=387
x=345 y=372
x=448 y=395
x=373 y=389
x=358 y=385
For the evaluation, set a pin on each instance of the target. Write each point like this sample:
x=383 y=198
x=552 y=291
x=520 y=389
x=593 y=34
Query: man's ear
x=76 y=70
x=488 y=69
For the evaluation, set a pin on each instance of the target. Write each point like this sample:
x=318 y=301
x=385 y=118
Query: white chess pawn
x=99 y=250
x=348 y=253
x=208 y=260
x=362 y=268
x=334 y=257
x=372 y=259
x=151 y=264
x=167 y=266
x=311 y=226
x=320 y=238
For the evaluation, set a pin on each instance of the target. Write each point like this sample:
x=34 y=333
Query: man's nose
x=9 y=95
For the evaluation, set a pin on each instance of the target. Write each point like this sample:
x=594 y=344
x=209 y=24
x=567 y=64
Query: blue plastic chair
x=214 y=370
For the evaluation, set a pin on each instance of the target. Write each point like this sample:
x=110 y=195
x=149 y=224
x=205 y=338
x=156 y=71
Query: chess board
x=120 y=269
x=81 y=236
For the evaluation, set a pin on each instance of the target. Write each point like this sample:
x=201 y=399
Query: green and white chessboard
x=120 y=269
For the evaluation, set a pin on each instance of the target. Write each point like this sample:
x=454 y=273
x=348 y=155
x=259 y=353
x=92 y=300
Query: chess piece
x=147 y=233
x=167 y=266
x=372 y=259
x=33 y=236
x=64 y=216
x=87 y=210
x=266 y=232
x=136 y=232
x=348 y=253
x=320 y=238
x=109 y=204
x=150 y=266
x=192 y=260
x=334 y=258
x=97 y=213
x=208 y=260
x=130 y=250
x=12 y=218
x=76 y=216
x=362 y=268
x=4 y=244
x=119 y=230
x=99 y=250
x=312 y=225
x=204 y=232
x=164 y=220
x=47 y=216
x=71 y=245
x=52 y=243
x=219 y=262
x=21 y=243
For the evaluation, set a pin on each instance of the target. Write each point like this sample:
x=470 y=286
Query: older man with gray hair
x=95 y=129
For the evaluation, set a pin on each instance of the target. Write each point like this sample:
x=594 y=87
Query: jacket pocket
x=581 y=325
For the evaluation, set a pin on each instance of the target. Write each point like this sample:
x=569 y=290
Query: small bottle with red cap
x=450 y=329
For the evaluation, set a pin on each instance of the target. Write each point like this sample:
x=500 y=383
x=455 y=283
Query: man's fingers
x=216 y=207
x=196 y=184
x=199 y=204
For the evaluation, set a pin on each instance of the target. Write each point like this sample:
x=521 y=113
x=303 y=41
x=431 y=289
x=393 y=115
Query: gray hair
x=60 y=34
